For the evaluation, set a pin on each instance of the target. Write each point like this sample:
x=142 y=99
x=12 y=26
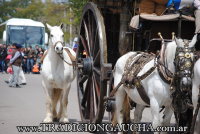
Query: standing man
x=30 y=59
x=15 y=62
x=197 y=16
x=3 y=54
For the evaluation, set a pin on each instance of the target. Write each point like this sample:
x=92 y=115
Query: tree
x=55 y=14
x=34 y=11
x=52 y=13
x=77 y=7
x=9 y=10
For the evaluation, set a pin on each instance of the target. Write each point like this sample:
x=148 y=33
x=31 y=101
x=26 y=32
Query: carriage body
x=105 y=35
x=121 y=38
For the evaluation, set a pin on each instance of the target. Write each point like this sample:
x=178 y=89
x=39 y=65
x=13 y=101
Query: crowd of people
x=16 y=60
x=30 y=58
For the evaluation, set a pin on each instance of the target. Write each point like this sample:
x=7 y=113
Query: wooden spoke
x=83 y=42
x=91 y=88
x=97 y=71
x=86 y=93
x=83 y=79
x=97 y=59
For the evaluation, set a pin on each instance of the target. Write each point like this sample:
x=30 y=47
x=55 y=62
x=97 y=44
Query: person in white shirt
x=15 y=62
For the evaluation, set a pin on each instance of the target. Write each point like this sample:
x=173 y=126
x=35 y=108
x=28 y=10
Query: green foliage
x=55 y=14
x=48 y=12
x=77 y=7
x=33 y=10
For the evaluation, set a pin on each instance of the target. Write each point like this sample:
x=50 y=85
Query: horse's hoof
x=48 y=120
x=64 y=120
x=55 y=119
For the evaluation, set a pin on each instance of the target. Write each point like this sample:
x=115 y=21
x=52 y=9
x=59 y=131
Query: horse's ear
x=176 y=40
x=179 y=42
x=48 y=26
x=61 y=25
x=193 y=41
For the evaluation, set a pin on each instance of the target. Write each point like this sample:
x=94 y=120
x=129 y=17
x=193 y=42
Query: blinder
x=184 y=63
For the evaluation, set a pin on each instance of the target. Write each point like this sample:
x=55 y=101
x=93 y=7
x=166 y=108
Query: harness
x=72 y=58
x=130 y=78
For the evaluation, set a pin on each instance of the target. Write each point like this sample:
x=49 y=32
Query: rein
x=71 y=64
x=72 y=58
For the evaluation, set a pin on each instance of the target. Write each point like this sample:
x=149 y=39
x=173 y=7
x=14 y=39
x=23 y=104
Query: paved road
x=26 y=106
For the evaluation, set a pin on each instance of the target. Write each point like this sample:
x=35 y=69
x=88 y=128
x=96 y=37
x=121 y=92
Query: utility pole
x=70 y=28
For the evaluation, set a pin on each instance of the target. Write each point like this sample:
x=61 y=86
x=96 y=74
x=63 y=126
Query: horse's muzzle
x=59 y=50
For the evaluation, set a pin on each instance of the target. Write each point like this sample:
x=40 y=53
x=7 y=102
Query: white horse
x=195 y=91
x=157 y=90
x=57 y=75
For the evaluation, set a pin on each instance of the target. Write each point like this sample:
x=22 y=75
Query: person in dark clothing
x=30 y=59
x=3 y=54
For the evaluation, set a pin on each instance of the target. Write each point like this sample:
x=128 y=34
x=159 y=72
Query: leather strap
x=43 y=56
x=163 y=76
x=142 y=91
x=73 y=58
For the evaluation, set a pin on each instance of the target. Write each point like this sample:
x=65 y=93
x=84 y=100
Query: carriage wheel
x=92 y=67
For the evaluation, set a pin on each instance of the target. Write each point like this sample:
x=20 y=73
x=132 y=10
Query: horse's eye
x=51 y=35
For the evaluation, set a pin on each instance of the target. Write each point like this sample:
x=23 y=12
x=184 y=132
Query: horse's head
x=56 y=39
x=184 y=62
x=179 y=58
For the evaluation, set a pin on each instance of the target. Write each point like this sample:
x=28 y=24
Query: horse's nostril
x=62 y=48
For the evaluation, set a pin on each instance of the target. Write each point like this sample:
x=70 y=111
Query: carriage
x=105 y=35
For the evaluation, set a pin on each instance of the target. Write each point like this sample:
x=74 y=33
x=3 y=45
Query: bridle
x=59 y=42
x=184 y=62
x=60 y=54
x=182 y=81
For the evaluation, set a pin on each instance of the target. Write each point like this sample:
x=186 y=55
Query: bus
x=26 y=32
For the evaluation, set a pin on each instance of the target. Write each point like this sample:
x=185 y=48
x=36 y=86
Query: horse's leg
x=55 y=98
x=197 y=129
x=155 y=113
x=167 y=117
x=120 y=96
x=195 y=92
x=49 y=110
x=63 y=106
x=138 y=114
